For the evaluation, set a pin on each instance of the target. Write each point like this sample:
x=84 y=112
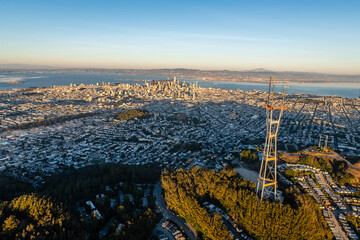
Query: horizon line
x=50 y=67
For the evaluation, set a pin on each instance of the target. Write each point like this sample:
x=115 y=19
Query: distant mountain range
x=259 y=70
x=25 y=66
x=253 y=75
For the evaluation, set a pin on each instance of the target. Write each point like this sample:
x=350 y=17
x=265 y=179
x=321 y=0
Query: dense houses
x=307 y=118
x=176 y=135
x=188 y=126
x=335 y=204
x=174 y=230
x=335 y=117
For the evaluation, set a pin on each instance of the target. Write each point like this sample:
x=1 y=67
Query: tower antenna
x=266 y=187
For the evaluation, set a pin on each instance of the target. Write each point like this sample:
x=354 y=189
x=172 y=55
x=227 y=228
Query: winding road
x=160 y=202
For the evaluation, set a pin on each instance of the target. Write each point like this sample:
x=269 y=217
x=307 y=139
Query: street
x=160 y=202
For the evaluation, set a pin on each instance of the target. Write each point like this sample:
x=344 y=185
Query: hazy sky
x=321 y=36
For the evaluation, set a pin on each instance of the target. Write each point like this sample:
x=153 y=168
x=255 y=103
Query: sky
x=311 y=36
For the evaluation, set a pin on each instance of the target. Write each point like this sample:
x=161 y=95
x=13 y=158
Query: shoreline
x=328 y=89
x=246 y=78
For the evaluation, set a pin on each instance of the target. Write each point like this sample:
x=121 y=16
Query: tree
x=41 y=217
x=185 y=191
x=10 y=223
x=131 y=114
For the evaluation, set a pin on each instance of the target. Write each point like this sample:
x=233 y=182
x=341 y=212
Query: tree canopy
x=185 y=191
x=32 y=217
x=131 y=114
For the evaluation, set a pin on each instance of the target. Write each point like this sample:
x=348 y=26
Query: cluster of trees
x=337 y=169
x=11 y=188
x=354 y=223
x=342 y=176
x=322 y=150
x=139 y=227
x=131 y=114
x=85 y=183
x=51 y=212
x=292 y=174
x=316 y=162
x=186 y=190
x=31 y=216
x=137 y=223
x=248 y=156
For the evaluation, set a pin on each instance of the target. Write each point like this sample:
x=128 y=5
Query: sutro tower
x=267 y=182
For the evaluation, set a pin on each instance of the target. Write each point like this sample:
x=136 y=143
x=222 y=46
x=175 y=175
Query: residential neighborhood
x=46 y=131
x=332 y=199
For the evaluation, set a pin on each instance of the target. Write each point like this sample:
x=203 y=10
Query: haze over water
x=48 y=79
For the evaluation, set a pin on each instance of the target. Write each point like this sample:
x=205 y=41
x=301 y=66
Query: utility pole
x=267 y=181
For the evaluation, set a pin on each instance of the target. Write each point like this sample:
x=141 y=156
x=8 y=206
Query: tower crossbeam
x=267 y=181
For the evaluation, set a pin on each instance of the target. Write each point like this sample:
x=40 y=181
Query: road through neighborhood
x=160 y=202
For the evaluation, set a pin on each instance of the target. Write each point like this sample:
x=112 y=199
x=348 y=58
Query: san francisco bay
x=24 y=80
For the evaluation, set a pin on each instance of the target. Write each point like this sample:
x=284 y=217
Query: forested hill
x=33 y=217
x=51 y=212
x=185 y=192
